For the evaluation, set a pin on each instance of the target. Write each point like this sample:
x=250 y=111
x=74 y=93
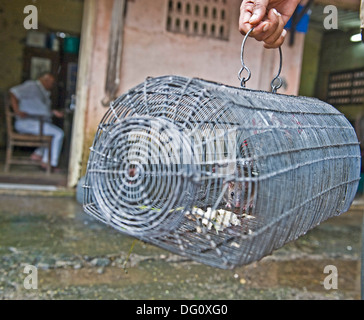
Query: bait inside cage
x=219 y=174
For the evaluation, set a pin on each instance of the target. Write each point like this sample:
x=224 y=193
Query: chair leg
x=9 y=153
x=49 y=167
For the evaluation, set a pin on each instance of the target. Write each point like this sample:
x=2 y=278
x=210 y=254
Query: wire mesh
x=219 y=174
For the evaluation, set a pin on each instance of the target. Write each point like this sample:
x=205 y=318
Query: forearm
x=14 y=103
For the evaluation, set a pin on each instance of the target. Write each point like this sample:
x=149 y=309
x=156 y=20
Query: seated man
x=33 y=98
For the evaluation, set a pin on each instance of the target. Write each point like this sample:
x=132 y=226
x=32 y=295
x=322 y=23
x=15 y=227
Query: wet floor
x=77 y=257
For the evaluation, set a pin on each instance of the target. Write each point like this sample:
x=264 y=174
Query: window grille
x=207 y=18
x=346 y=87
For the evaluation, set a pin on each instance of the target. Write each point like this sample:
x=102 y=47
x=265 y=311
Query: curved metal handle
x=277 y=79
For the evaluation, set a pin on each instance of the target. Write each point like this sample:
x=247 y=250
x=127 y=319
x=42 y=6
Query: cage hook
x=244 y=80
x=277 y=80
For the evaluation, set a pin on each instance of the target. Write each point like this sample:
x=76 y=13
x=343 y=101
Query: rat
x=237 y=193
x=235 y=196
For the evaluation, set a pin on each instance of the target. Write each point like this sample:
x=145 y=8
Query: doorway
x=52 y=46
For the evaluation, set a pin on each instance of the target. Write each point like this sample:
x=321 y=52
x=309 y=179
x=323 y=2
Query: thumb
x=259 y=11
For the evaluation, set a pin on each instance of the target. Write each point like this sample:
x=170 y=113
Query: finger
x=259 y=32
x=251 y=13
x=275 y=30
x=273 y=25
x=278 y=42
x=246 y=11
x=259 y=11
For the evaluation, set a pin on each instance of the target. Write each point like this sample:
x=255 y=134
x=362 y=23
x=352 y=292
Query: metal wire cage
x=219 y=174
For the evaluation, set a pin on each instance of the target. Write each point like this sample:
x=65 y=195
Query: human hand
x=268 y=17
x=58 y=114
x=21 y=114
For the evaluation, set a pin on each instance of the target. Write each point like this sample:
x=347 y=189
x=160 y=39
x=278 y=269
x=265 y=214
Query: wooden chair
x=24 y=140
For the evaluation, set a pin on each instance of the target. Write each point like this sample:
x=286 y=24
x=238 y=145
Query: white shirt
x=33 y=99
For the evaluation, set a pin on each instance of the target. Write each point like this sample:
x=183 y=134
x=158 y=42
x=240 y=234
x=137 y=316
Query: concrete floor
x=31 y=174
x=78 y=257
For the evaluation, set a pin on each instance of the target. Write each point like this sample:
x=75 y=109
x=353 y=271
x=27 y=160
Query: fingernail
x=266 y=26
x=276 y=13
x=284 y=32
x=253 y=18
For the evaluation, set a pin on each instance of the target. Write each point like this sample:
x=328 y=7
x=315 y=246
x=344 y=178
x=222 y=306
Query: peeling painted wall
x=150 y=50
